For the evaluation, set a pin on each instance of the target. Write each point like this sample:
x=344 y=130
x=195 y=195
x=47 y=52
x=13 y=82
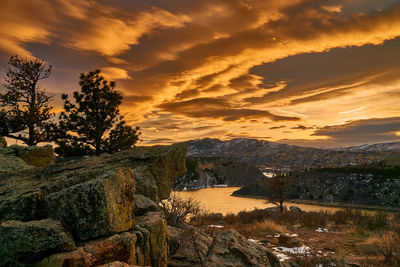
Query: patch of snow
x=322 y=230
x=292 y=235
x=294 y=250
x=281 y=256
x=215 y=226
x=277 y=235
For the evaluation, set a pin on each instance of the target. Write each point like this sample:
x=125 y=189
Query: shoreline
x=329 y=204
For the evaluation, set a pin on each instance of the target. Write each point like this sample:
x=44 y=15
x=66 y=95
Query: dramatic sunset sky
x=317 y=73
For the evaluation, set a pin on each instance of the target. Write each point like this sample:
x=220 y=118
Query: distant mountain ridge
x=393 y=146
x=283 y=156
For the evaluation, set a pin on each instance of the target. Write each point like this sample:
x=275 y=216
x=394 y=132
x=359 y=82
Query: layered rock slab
x=34 y=239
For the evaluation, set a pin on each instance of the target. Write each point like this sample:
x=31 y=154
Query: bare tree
x=25 y=106
x=277 y=188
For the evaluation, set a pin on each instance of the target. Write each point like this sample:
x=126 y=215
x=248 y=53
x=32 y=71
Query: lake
x=220 y=200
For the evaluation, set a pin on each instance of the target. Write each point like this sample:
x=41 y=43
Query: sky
x=308 y=72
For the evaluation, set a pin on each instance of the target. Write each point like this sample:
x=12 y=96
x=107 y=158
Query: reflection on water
x=220 y=200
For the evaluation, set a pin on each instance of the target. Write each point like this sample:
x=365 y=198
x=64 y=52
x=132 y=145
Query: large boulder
x=165 y=163
x=119 y=247
x=25 y=204
x=142 y=249
x=38 y=156
x=232 y=249
x=187 y=247
x=94 y=197
x=192 y=247
x=143 y=204
x=156 y=225
x=11 y=165
x=146 y=184
x=76 y=258
x=23 y=240
x=91 y=201
x=98 y=207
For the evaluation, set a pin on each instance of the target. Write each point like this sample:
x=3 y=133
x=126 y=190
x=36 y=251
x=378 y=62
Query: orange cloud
x=195 y=62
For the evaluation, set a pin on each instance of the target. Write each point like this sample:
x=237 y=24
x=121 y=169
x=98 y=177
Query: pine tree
x=25 y=106
x=92 y=124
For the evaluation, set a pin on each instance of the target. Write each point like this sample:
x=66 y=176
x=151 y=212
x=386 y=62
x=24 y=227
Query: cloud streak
x=230 y=66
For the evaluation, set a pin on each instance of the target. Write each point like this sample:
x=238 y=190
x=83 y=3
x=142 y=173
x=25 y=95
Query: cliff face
x=85 y=212
x=210 y=172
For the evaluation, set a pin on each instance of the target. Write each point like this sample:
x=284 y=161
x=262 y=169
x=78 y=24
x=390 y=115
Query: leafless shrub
x=391 y=248
x=177 y=210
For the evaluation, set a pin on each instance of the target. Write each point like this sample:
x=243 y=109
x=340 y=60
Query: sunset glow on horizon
x=305 y=72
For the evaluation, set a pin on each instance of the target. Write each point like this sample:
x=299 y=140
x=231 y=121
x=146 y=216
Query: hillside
x=394 y=146
x=367 y=185
x=265 y=154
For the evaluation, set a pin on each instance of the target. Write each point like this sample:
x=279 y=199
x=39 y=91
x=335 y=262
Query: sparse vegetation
x=177 y=210
x=391 y=247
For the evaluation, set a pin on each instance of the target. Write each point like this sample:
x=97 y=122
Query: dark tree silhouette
x=25 y=106
x=277 y=188
x=92 y=124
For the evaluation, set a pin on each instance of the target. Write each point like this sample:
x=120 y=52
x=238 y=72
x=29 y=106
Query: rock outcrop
x=195 y=248
x=143 y=204
x=204 y=172
x=38 y=156
x=101 y=211
x=34 y=238
x=90 y=202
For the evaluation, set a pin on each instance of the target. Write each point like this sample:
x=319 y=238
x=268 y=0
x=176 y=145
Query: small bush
x=371 y=220
x=391 y=248
x=177 y=210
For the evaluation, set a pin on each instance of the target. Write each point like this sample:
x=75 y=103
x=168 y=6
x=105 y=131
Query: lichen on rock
x=38 y=156
x=22 y=240
x=97 y=207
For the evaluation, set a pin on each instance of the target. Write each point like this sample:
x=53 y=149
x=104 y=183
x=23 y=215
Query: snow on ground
x=280 y=252
x=294 y=250
x=322 y=230
x=215 y=226
x=292 y=235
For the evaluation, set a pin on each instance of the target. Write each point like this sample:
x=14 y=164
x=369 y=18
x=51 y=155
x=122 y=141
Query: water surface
x=220 y=200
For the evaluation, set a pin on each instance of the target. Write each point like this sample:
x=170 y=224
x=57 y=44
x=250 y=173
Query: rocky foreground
x=101 y=211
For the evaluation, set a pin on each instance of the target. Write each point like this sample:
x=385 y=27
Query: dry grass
x=261 y=228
